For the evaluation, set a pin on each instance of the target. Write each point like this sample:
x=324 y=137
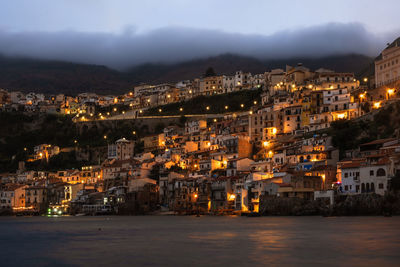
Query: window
x=371 y=173
x=380 y=172
x=380 y=186
x=346 y=175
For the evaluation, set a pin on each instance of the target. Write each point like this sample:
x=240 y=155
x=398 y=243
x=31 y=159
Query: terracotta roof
x=379 y=141
x=12 y=187
x=350 y=165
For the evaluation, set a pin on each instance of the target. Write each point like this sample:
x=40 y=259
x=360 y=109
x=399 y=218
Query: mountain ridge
x=53 y=77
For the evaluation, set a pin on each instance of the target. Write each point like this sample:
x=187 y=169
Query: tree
x=210 y=72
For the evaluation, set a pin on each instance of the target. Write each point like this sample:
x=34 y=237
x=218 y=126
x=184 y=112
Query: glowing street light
x=226 y=107
x=242 y=105
x=134 y=132
x=208 y=108
x=255 y=102
x=160 y=110
x=105 y=137
x=390 y=92
x=180 y=109
x=265 y=143
x=115 y=109
x=377 y=105
x=365 y=79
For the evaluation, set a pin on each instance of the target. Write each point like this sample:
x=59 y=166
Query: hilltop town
x=242 y=144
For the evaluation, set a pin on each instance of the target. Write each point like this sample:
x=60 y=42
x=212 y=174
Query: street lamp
x=242 y=105
x=390 y=92
x=207 y=108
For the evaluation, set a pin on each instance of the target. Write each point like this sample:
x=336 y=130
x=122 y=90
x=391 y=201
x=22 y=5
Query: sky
x=121 y=33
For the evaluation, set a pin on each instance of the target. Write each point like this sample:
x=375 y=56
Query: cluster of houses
x=223 y=165
x=205 y=167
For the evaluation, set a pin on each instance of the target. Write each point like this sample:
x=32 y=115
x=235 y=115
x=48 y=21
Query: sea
x=199 y=241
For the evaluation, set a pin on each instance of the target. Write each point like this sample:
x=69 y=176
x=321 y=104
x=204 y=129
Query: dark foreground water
x=204 y=241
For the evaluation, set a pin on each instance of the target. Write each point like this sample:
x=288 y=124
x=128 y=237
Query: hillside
x=53 y=77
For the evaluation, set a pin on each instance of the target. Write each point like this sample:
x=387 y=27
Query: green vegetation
x=350 y=134
x=216 y=104
x=20 y=132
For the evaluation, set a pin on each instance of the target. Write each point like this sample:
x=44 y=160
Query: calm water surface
x=204 y=241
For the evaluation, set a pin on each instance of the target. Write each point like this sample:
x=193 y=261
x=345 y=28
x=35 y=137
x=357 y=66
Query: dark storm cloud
x=177 y=44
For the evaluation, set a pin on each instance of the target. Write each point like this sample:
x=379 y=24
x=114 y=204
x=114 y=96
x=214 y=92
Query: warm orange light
x=377 y=105
x=274 y=130
x=265 y=143
x=341 y=116
x=390 y=91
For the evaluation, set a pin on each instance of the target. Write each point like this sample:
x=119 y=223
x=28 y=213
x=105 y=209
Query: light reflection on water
x=213 y=241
